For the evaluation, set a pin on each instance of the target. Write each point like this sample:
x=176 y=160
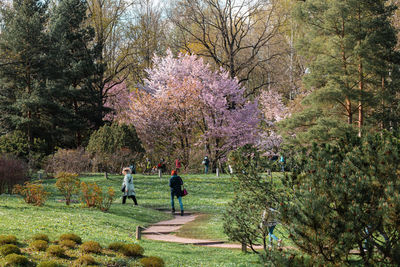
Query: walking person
x=206 y=163
x=269 y=219
x=177 y=165
x=176 y=184
x=127 y=186
x=282 y=160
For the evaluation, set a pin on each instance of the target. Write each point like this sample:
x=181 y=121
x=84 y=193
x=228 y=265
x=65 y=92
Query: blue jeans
x=271 y=235
x=172 y=201
x=205 y=169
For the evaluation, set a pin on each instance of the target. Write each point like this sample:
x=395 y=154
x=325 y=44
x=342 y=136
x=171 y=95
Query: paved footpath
x=162 y=231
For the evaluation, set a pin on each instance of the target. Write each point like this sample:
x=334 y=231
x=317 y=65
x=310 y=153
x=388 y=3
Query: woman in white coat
x=127 y=186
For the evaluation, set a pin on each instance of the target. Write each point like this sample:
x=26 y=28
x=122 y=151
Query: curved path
x=162 y=231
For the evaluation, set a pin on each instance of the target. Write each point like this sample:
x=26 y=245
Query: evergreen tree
x=23 y=46
x=351 y=44
x=71 y=71
x=345 y=200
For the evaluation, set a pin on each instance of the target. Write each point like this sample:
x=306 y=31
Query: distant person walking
x=127 y=186
x=282 y=160
x=176 y=183
x=206 y=163
x=133 y=168
x=177 y=165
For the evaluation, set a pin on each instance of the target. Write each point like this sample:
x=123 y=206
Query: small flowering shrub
x=85 y=260
x=41 y=237
x=67 y=243
x=68 y=185
x=32 y=193
x=56 y=251
x=8 y=239
x=72 y=237
x=93 y=196
x=16 y=260
x=132 y=250
x=39 y=245
x=9 y=249
x=116 y=246
x=152 y=261
x=49 y=264
x=91 y=247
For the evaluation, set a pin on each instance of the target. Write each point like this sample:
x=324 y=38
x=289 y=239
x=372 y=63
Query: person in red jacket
x=177 y=164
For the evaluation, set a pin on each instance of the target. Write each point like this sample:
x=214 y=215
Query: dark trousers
x=132 y=197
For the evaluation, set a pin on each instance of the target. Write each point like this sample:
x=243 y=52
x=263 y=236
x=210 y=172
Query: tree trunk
x=360 y=102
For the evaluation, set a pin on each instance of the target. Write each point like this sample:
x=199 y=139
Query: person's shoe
x=279 y=242
x=181 y=212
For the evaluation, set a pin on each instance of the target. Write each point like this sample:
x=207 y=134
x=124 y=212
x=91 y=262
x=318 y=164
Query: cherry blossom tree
x=273 y=110
x=188 y=106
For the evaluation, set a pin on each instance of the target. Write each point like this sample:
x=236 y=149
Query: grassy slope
x=206 y=194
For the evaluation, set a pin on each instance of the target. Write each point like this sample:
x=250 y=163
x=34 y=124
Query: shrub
x=93 y=196
x=69 y=160
x=49 y=264
x=85 y=260
x=41 y=237
x=8 y=179
x=39 y=245
x=9 y=249
x=72 y=237
x=68 y=184
x=8 y=239
x=114 y=146
x=91 y=247
x=33 y=193
x=56 y=250
x=16 y=260
x=105 y=200
x=152 y=261
x=116 y=246
x=16 y=143
x=132 y=250
x=67 y=243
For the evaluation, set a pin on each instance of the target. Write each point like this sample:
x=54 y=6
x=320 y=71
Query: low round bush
x=43 y=237
x=9 y=249
x=16 y=260
x=152 y=261
x=72 y=237
x=132 y=250
x=8 y=239
x=49 y=264
x=116 y=246
x=56 y=250
x=85 y=260
x=91 y=247
x=39 y=245
x=67 y=243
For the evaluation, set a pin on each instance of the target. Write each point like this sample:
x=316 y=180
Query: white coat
x=129 y=188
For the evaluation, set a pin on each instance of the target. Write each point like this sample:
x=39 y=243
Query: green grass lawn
x=207 y=195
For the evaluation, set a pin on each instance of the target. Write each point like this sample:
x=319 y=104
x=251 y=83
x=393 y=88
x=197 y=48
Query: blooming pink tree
x=118 y=99
x=196 y=106
x=273 y=111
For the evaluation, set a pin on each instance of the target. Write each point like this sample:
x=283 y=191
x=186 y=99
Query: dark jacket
x=175 y=183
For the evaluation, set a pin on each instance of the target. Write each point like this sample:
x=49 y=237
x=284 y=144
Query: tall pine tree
x=23 y=44
x=351 y=44
x=73 y=68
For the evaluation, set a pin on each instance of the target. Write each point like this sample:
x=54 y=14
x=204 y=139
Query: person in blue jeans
x=269 y=219
x=176 y=183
